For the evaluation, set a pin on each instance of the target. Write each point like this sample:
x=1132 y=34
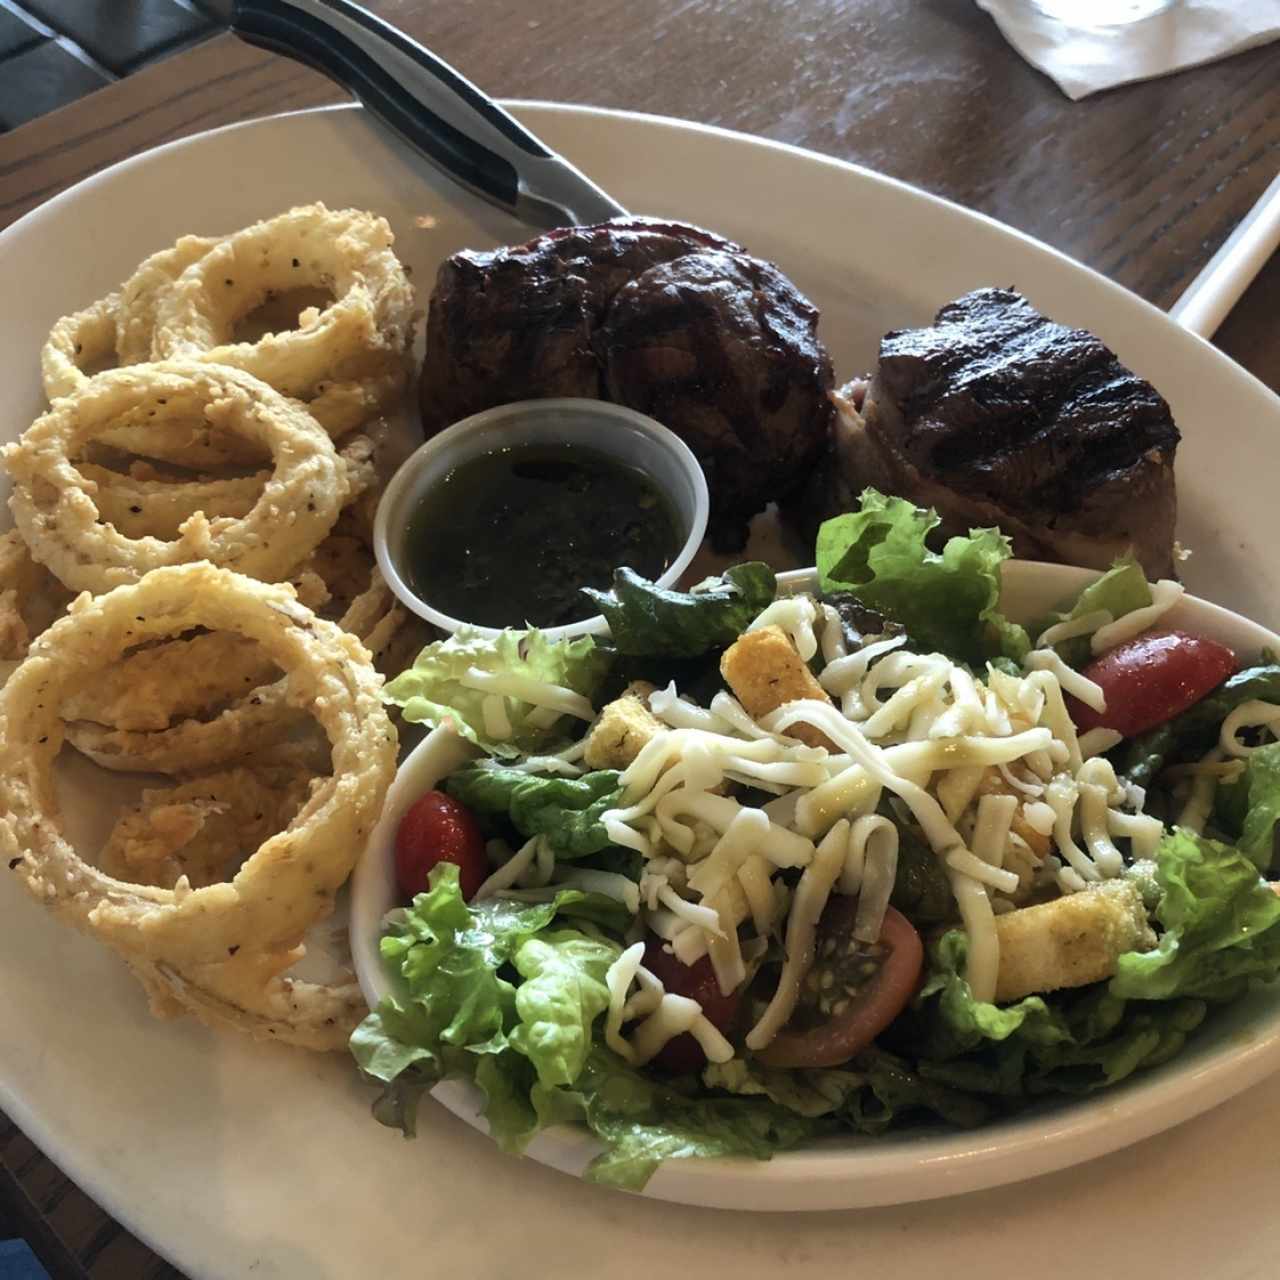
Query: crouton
x=1071 y=941
x=765 y=671
x=622 y=729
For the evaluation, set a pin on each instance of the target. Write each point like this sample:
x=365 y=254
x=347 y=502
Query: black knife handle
x=426 y=102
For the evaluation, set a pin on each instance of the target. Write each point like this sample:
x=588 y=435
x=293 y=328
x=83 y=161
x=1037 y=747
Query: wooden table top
x=1142 y=182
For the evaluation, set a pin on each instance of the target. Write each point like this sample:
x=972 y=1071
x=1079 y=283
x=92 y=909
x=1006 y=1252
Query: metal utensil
x=426 y=102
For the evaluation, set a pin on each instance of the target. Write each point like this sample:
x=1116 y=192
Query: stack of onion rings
x=348 y=362
x=191 y=482
x=253 y=923
x=64 y=529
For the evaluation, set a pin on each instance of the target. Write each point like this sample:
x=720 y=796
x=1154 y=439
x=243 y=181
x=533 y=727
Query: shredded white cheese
x=1164 y=595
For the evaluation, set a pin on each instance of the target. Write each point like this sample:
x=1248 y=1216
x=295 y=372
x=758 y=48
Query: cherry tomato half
x=698 y=982
x=439 y=829
x=869 y=987
x=1151 y=679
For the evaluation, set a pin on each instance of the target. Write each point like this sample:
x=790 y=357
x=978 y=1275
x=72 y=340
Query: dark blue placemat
x=17 y=1262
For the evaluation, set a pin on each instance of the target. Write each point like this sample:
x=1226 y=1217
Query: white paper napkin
x=1083 y=60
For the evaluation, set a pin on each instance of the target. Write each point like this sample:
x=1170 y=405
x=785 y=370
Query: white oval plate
x=236 y=1159
x=859 y=1172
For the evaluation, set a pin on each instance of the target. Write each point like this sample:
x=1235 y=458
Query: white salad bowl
x=1236 y=1047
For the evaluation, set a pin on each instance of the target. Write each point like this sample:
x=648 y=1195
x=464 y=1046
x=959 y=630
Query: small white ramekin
x=630 y=437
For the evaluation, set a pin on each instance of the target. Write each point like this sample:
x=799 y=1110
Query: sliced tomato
x=1152 y=678
x=852 y=992
x=698 y=982
x=438 y=829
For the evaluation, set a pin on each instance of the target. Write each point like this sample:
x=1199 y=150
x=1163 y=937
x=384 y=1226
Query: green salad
x=759 y=868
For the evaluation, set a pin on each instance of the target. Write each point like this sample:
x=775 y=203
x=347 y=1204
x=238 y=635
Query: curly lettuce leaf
x=1249 y=808
x=657 y=622
x=641 y=1122
x=562 y=994
x=529 y=1045
x=819 y=1092
x=450 y=956
x=895 y=1094
x=1063 y=1042
x=946 y=601
x=1190 y=735
x=1121 y=590
x=1220 y=923
x=565 y=810
x=431 y=691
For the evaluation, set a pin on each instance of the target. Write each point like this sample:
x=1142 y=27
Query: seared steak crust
x=997 y=414
x=664 y=318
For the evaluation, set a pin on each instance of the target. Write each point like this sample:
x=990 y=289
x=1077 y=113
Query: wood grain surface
x=1142 y=182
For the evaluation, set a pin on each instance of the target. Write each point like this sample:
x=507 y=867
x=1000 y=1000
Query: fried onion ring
x=149 y=689
x=205 y=827
x=251 y=993
x=64 y=528
x=138 y=297
x=290 y=881
x=256 y=720
x=141 y=503
x=195 y=678
x=348 y=360
x=76 y=343
x=117 y=329
x=30 y=597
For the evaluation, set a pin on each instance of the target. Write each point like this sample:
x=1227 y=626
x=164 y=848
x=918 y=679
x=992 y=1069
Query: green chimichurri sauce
x=512 y=536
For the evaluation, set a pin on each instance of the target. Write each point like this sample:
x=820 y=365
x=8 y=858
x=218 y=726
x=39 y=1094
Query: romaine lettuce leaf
x=566 y=810
x=946 y=601
x=642 y=1122
x=1063 y=1042
x=1249 y=808
x=449 y=956
x=807 y=1093
x=895 y=1094
x=658 y=622
x=562 y=994
x=529 y=1047
x=431 y=691
x=1220 y=922
x=1190 y=735
x=1122 y=589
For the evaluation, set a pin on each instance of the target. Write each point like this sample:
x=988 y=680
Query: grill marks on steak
x=1017 y=408
x=670 y=320
x=996 y=414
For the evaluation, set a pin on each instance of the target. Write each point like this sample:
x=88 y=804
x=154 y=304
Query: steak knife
x=423 y=100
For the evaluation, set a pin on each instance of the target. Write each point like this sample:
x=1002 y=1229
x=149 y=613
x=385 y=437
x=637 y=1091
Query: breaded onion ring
x=258 y=719
x=64 y=529
x=30 y=597
x=197 y=678
x=251 y=993
x=205 y=827
x=76 y=343
x=348 y=360
x=117 y=329
x=138 y=297
x=149 y=689
x=141 y=503
x=290 y=881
